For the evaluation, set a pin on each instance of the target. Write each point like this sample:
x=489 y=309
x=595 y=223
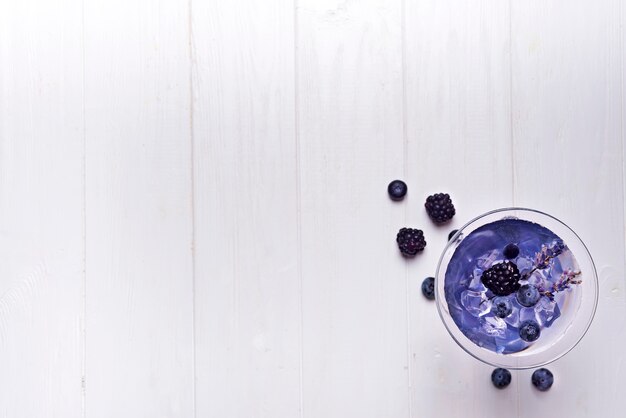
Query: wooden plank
x=568 y=133
x=458 y=132
x=41 y=209
x=349 y=66
x=246 y=204
x=139 y=214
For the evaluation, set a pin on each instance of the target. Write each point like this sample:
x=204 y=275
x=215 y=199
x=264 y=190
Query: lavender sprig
x=547 y=253
x=568 y=278
x=545 y=256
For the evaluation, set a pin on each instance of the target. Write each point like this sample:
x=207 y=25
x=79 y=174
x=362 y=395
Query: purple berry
x=428 y=288
x=502 y=278
x=440 y=208
x=542 y=379
x=511 y=251
x=501 y=306
x=397 y=190
x=410 y=241
x=528 y=295
x=501 y=378
x=529 y=331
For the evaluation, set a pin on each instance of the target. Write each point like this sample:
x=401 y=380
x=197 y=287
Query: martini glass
x=534 y=315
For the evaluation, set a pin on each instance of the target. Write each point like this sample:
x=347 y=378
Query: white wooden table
x=193 y=209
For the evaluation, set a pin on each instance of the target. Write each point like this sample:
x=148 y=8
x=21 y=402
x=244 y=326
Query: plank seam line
x=621 y=64
x=512 y=151
x=511 y=123
x=405 y=172
x=83 y=385
x=193 y=205
x=296 y=107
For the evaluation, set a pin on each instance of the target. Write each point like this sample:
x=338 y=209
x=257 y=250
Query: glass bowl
x=550 y=260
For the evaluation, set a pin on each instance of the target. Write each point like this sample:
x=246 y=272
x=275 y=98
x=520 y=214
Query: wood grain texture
x=247 y=299
x=139 y=215
x=349 y=63
x=458 y=131
x=41 y=209
x=568 y=133
x=193 y=209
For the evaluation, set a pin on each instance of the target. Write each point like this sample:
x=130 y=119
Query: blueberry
x=501 y=378
x=397 y=190
x=542 y=379
x=528 y=295
x=451 y=234
x=529 y=331
x=511 y=251
x=501 y=306
x=428 y=288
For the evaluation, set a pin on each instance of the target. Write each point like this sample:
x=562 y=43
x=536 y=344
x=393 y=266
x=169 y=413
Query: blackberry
x=439 y=207
x=502 y=278
x=397 y=190
x=501 y=378
x=410 y=241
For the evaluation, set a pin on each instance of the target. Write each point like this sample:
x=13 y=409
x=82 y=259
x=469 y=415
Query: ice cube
x=486 y=262
x=513 y=318
x=526 y=314
x=537 y=280
x=493 y=326
x=476 y=303
x=524 y=264
x=546 y=311
x=475 y=283
x=566 y=260
x=453 y=300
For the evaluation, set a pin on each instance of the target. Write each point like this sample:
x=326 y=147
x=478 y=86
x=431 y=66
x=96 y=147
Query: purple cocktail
x=509 y=286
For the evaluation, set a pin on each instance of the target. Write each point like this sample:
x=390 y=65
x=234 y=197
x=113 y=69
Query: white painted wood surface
x=193 y=209
x=247 y=292
x=41 y=210
x=139 y=224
